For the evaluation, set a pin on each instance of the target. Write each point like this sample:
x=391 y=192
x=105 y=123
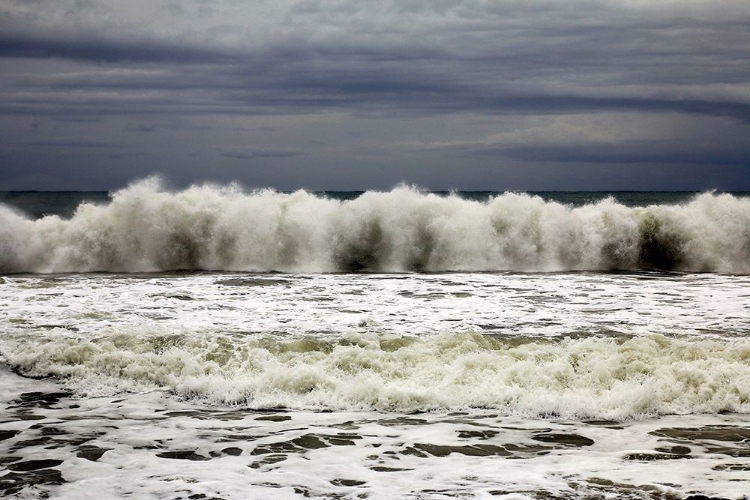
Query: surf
x=147 y=228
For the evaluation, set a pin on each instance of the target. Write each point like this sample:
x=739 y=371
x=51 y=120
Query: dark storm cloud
x=69 y=143
x=262 y=153
x=541 y=58
x=82 y=61
x=305 y=87
x=140 y=128
x=103 y=50
x=631 y=152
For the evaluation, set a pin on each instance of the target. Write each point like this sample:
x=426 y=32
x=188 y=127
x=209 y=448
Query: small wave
x=570 y=378
x=145 y=228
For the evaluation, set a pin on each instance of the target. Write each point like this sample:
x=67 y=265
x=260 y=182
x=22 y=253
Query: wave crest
x=146 y=228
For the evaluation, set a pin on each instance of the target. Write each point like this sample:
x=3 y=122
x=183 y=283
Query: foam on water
x=172 y=376
x=580 y=345
x=149 y=446
x=146 y=228
x=572 y=378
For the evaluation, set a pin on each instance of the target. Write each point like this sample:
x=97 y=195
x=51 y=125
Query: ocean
x=219 y=343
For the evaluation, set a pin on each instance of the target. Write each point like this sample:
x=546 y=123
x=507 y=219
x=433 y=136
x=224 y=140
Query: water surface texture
x=214 y=343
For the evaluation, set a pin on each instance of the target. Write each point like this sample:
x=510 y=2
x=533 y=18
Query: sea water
x=219 y=343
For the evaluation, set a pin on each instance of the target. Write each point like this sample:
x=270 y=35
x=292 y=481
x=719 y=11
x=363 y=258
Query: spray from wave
x=146 y=228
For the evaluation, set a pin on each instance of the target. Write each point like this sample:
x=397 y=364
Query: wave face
x=572 y=378
x=146 y=228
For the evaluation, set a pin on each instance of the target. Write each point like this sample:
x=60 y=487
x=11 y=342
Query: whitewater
x=146 y=228
x=216 y=342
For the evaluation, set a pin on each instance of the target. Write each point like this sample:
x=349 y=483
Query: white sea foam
x=572 y=378
x=579 y=345
x=169 y=351
x=146 y=228
x=243 y=454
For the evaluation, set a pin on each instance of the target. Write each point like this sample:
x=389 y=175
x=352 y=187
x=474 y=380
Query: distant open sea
x=222 y=343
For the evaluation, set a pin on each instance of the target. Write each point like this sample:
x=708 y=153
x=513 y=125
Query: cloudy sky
x=354 y=94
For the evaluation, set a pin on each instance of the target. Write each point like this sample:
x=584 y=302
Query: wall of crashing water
x=146 y=228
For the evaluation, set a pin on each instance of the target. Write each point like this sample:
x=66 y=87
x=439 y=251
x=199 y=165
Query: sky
x=354 y=94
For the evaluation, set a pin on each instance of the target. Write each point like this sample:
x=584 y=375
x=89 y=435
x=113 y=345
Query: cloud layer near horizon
x=628 y=94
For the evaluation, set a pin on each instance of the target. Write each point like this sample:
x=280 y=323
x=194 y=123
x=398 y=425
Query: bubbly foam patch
x=146 y=228
x=571 y=378
x=151 y=446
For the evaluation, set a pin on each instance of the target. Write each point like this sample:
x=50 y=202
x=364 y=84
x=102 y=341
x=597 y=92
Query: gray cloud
x=631 y=152
x=69 y=143
x=260 y=153
x=216 y=66
x=103 y=50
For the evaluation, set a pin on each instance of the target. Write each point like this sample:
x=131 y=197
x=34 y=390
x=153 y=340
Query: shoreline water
x=584 y=382
x=153 y=446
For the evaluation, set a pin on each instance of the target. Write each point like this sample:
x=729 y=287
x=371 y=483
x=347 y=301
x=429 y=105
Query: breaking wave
x=571 y=378
x=145 y=228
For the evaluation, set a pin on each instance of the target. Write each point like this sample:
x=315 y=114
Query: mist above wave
x=147 y=228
